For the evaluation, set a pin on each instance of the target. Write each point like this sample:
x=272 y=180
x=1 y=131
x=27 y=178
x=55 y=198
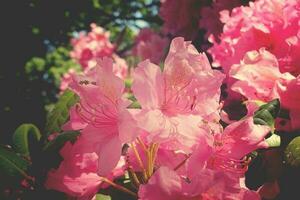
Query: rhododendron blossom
x=66 y=79
x=77 y=174
x=207 y=176
x=229 y=148
x=151 y=116
x=290 y=98
x=150 y=45
x=176 y=101
x=94 y=44
x=102 y=108
x=257 y=76
x=272 y=24
x=166 y=184
x=240 y=138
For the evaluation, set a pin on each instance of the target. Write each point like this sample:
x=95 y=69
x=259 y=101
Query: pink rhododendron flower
x=94 y=44
x=240 y=138
x=207 y=184
x=89 y=48
x=272 y=24
x=66 y=79
x=150 y=45
x=120 y=66
x=290 y=98
x=229 y=148
x=180 y=17
x=202 y=178
x=257 y=76
x=106 y=124
x=101 y=106
x=176 y=101
x=77 y=174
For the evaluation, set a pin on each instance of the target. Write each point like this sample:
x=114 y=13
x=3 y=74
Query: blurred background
x=35 y=45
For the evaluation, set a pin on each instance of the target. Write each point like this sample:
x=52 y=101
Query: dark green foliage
x=25 y=135
x=60 y=113
x=58 y=142
x=292 y=153
x=267 y=113
x=52 y=67
x=50 y=156
x=37 y=35
x=12 y=164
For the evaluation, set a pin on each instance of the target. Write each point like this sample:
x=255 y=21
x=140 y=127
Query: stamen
x=142 y=143
x=137 y=155
x=229 y=164
x=155 y=150
x=97 y=115
x=182 y=162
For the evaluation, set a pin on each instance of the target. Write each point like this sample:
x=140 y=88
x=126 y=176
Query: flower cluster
x=176 y=126
x=269 y=24
x=150 y=45
x=259 y=52
x=94 y=45
x=177 y=147
x=88 y=48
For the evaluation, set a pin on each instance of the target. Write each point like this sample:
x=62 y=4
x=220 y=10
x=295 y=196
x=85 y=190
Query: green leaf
x=60 y=113
x=274 y=140
x=267 y=113
x=58 y=142
x=102 y=197
x=35 y=63
x=11 y=164
x=24 y=135
x=292 y=152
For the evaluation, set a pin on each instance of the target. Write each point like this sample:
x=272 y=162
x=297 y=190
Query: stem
x=119 y=187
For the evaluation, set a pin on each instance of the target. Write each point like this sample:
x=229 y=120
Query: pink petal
x=148 y=85
x=109 y=155
x=165 y=184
